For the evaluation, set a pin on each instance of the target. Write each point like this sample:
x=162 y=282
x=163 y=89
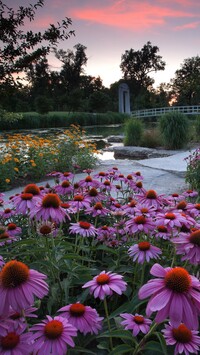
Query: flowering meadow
x=29 y=157
x=99 y=266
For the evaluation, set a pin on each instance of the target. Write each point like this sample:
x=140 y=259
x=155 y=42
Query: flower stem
x=108 y=321
x=143 y=341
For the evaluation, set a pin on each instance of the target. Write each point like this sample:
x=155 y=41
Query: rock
x=115 y=139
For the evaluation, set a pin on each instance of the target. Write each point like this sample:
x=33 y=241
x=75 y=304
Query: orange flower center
x=33 y=189
x=175 y=195
x=117 y=205
x=14 y=274
x=105 y=228
x=170 y=215
x=107 y=183
x=151 y=194
x=139 y=184
x=66 y=174
x=51 y=200
x=4 y=235
x=144 y=210
x=65 y=205
x=182 y=205
x=140 y=220
x=133 y=203
x=102 y=173
x=77 y=309
x=65 y=183
x=121 y=176
x=129 y=177
x=7 y=210
x=88 y=179
x=15 y=316
x=45 y=230
x=138 y=319
x=195 y=237
x=93 y=192
x=178 y=280
x=26 y=196
x=144 y=246
x=182 y=334
x=162 y=229
x=189 y=191
x=84 y=225
x=79 y=198
x=103 y=279
x=10 y=341
x=11 y=226
x=53 y=329
x=197 y=206
x=98 y=206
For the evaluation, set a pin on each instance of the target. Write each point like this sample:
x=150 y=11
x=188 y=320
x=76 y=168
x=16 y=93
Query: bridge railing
x=189 y=110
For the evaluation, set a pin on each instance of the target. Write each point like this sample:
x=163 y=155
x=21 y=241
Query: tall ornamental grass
x=193 y=170
x=174 y=128
x=133 y=132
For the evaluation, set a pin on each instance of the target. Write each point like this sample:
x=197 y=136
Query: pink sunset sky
x=109 y=27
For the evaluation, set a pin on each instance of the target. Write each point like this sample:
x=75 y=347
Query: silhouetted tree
x=186 y=83
x=136 y=65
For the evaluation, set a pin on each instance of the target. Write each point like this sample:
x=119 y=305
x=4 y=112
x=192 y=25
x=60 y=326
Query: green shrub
x=8 y=119
x=174 y=128
x=133 y=132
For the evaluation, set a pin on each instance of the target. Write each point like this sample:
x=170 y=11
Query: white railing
x=189 y=110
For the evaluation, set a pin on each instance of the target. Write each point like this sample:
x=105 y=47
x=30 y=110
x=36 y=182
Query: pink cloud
x=191 y=25
x=129 y=14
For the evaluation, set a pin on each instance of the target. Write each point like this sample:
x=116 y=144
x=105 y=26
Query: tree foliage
x=19 y=47
x=136 y=65
x=186 y=83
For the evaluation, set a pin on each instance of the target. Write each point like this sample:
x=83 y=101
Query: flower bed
x=99 y=266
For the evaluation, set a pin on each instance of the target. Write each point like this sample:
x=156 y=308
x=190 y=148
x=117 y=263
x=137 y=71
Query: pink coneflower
x=13 y=229
x=65 y=188
x=101 y=175
x=20 y=318
x=162 y=232
x=144 y=251
x=85 y=229
x=190 y=193
x=14 y=342
x=53 y=335
x=18 y=285
x=6 y=238
x=25 y=202
x=49 y=208
x=93 y=195
x=194 y=209
x=47 y=229
x=97 y=210
x=107 y=185
x=83 y=318
x=105 y=232
x=170 y=219
x=7 y=213
x=185 y=340
x=89 y=182
x=67 y=175
x=151 y=198
x=32 y=189
x=137 y=323
x=138 y=187
x=174 y=294
x=137 y=175
x=140 y=224
x=105 y=284
x=130 y=207
x=80 y=202
x=147 y=211
x=188 y=245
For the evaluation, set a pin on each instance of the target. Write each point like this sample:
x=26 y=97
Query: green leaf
x=153 y=347
x=122 y=334
x=162 y=342
x=121 y=349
